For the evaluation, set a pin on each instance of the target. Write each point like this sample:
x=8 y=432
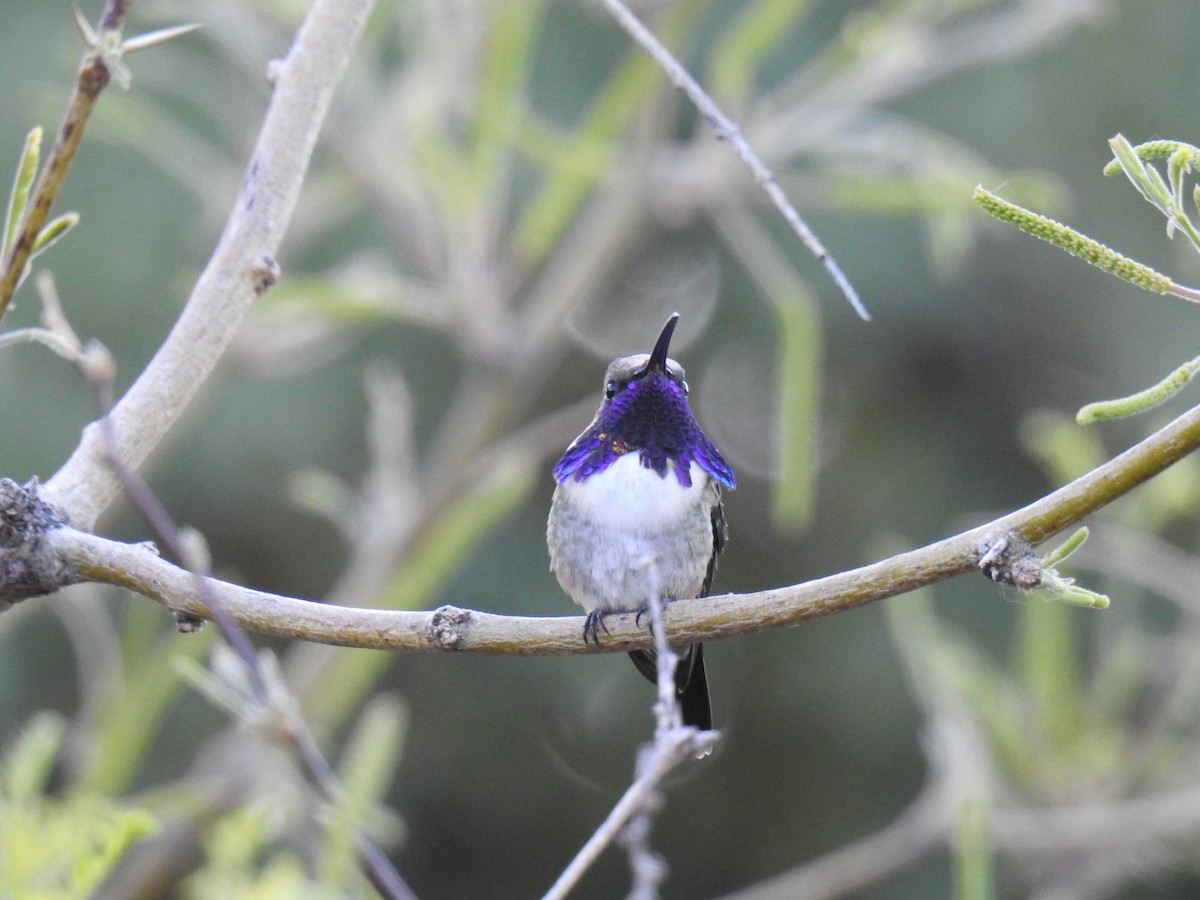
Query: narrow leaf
x=1149 y=150
x=53 y=231
x=798 y=389
x=18 y=199
x=757 y=30
x=1153 y=189
x=1066 y=548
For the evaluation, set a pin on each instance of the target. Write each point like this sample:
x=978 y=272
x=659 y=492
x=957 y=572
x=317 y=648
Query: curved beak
x=658 y=356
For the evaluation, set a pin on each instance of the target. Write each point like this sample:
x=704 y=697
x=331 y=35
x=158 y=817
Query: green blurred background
x=508 y=764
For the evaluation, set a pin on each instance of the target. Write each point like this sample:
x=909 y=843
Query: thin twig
x=666 y=710
x=92 y=78
x=668 y=750
x=726 y=129
x=634 y=798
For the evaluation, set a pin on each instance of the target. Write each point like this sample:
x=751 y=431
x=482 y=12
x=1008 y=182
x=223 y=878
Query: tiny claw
x=637 y=619
x=592 y=625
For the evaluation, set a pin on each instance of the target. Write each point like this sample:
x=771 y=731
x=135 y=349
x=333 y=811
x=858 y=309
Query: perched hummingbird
x=637 y=509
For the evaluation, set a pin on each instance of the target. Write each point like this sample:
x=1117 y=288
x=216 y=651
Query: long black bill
x=658 y=356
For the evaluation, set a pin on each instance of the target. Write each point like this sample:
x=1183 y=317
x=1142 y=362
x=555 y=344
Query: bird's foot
x=645 y=610
x=592 y=625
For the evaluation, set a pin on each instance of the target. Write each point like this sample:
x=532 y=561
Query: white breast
x=627 y=495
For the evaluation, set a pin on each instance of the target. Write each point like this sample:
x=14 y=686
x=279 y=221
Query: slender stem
x=375 y=864
x=633 y=800
x=727 y=130
x=92 y=78
x=113 y=15
x=1184 y=292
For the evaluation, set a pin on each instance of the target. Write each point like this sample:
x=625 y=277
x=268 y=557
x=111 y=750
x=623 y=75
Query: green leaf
x=1143 y=177
x=499 y=101
x=53 y=231
x=798 y=390
x=1066 y=548
x=18 y=198
x=57 y=846
x=28 y=762
x=367 y=769
x=543 y=222
x=1148 y=150
x=1046 y=657
x=128 y=720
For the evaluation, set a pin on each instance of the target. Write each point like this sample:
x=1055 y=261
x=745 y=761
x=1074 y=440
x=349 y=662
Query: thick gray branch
x=240 y=269
x=91 y=558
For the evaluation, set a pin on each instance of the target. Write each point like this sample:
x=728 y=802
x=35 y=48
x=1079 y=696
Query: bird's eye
x=610 y=390
x=683 y=384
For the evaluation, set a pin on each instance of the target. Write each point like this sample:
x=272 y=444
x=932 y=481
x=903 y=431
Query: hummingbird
x=637 y=509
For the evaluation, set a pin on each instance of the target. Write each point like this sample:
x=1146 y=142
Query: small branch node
x=446 y=627
x=1007 y=558
x=275 y=69
x=264 y=275
x=96 y=363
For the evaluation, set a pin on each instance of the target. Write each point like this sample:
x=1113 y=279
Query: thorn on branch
x=106 y=46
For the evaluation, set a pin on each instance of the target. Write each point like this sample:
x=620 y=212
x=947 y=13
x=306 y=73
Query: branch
x=724 y=128
x=241 y=268
x=636 y=797
x=85 y=557
x=93 y=77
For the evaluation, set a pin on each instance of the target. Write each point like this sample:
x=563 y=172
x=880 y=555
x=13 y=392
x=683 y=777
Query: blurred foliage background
x=508 y=195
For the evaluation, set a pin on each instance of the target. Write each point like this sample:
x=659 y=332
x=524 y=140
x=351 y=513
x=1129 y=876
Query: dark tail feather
x=691 y=683
x=694 y=704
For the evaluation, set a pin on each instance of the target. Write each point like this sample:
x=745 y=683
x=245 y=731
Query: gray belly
x=617 y=558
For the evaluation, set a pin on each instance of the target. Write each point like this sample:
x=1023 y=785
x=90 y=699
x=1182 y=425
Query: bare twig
x=241 y=268
x=727 y=130
x=634 y=799
x=647 y=869
x=93 y=77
